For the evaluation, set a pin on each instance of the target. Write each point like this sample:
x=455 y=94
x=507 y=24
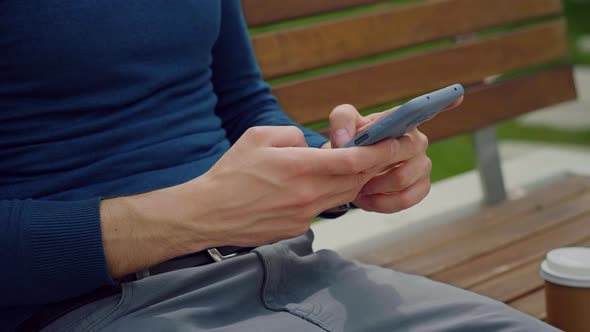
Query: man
x=136 y=132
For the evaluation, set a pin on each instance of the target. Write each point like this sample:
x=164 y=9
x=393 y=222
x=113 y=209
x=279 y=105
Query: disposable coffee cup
x=567 y=288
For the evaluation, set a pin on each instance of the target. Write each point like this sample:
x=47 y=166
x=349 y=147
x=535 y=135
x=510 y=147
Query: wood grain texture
x=511 y=285
x=488 y=105
x=489 y=239
x=532 y=304
x=515 y=283
x=258 y=12
x=505 y=259
x=303 y=48
x=507 y=268
x=312 y=99
x=437 y=235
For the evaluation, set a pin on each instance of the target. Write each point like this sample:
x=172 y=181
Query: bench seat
x=497 y=252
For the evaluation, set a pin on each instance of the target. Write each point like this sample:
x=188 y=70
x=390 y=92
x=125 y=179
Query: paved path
x=510 y=149
x=573 y=115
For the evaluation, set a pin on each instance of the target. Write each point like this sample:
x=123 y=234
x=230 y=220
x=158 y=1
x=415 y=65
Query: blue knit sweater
x=107 y=98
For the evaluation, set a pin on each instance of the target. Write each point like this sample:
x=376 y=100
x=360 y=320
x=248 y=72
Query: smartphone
x=408 y=116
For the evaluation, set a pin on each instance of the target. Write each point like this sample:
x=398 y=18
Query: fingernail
x=341 y=136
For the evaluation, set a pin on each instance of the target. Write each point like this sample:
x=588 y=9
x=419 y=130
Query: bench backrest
x=509 y=54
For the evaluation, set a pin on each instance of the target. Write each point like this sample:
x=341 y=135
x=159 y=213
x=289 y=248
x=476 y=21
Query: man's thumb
x=343 y=120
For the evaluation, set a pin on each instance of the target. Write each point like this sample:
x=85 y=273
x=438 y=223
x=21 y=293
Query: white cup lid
x=568 y=267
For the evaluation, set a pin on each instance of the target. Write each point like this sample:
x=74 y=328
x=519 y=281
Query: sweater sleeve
x=244 y=99
x=49 y=251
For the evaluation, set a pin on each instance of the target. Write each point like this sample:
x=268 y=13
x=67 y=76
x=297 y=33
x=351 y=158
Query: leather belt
x=197 y=259
x=51 y=312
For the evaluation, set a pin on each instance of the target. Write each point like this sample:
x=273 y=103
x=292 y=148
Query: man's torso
x=106 y=98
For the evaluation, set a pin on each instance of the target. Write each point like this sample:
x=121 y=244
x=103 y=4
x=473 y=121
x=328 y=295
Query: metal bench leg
x=488 y=161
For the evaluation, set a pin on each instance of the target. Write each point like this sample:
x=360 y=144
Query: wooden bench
x=509 y=54
x=498 y=251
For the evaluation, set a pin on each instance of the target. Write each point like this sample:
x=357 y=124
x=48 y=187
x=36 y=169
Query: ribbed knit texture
x=103 y=99
x=66 y=247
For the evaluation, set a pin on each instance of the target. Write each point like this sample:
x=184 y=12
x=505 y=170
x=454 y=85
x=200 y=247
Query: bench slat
x=513 y=284
x=520 y=253
x=260 y=12
x=312 y=99
x=491 y=104
x=298 y=49
x=532 y=304
x=488 y=239
x=486 y=105
x=438 y=234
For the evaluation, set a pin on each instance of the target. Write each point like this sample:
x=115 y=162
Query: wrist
x=172 y=216
x=203 y=211
x=143 y=230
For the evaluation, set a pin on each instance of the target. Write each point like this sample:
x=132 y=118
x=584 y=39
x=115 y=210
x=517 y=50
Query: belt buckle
x=217 y=256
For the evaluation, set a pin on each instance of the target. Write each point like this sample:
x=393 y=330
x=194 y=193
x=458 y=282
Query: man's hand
x=270 y=185
x=401 y=184
x=267 y=187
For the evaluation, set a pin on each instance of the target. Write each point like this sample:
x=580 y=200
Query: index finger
x=351 y=160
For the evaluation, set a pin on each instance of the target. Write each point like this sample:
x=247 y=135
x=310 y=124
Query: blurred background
x=566 y=125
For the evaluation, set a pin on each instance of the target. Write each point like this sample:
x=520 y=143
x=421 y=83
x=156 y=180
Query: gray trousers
x=287 y=287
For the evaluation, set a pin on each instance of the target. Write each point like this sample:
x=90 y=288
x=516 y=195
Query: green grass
x=515 y=131
x=578 y=18
x=450 y=157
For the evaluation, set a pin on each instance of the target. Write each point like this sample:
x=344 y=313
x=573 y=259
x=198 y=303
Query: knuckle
x=405 y=201
x=256 y=133
x=341 y=109
x=401 y=178
x=413 y=148
x=423 y=140
x=428 y=164
x=351 y=163
x=293 y=131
